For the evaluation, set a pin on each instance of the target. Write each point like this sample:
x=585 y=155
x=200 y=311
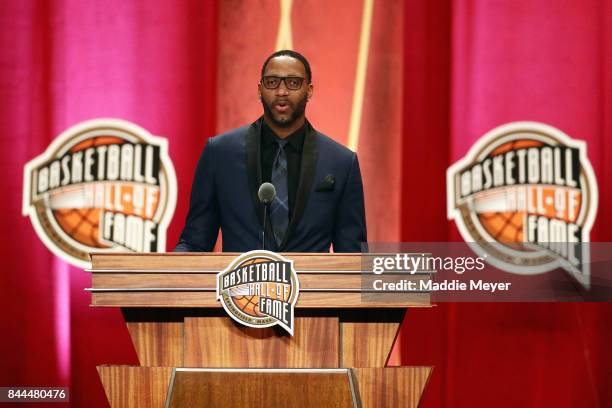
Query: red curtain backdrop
x=439 y=74
x=62 y=62
x=471 y=66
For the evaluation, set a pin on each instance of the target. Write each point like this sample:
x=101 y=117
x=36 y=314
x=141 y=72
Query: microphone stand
x=263 y=231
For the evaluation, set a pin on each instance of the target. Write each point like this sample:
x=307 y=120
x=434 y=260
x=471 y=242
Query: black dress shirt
x=293 y=149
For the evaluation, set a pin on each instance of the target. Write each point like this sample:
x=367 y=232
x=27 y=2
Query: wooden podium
x=192 y=354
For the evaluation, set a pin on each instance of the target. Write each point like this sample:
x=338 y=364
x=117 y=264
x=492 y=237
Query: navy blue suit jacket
x=329 y=206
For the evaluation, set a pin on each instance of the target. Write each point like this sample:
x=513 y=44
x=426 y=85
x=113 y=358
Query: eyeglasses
x=291 y=82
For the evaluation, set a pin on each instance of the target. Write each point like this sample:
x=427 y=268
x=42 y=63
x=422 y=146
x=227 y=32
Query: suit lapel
x=253 y=166
x=307 y=173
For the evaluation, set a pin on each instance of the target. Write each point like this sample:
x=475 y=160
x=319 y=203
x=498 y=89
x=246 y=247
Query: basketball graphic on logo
x=505 y=227
x=81 y=225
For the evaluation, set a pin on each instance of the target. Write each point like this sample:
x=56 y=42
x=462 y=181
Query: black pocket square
x=327 y=184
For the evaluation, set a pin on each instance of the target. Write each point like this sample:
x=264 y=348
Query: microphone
x=266 y=194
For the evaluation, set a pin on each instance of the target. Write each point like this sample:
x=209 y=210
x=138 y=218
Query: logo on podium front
x=260 y=289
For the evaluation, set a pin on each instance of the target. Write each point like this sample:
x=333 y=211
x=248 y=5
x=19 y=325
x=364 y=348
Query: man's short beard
x=298 y=112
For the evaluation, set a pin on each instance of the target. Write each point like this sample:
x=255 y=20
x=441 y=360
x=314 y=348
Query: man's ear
x=259 y=91
x=310 y=92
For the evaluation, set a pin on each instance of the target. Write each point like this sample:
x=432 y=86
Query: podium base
x=136 y=386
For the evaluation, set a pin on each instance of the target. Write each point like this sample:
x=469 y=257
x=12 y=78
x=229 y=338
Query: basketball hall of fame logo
x=260 y=289
x=102 y=185
x=526 y=195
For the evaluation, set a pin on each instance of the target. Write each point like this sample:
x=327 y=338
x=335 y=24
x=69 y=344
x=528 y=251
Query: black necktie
x=279 y=211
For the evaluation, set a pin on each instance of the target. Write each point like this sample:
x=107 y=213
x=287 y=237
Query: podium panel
x=261 y=387
x=220 y=342
x=135 y=387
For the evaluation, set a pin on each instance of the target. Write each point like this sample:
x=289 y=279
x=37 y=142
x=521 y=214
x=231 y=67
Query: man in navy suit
x=319 y=199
